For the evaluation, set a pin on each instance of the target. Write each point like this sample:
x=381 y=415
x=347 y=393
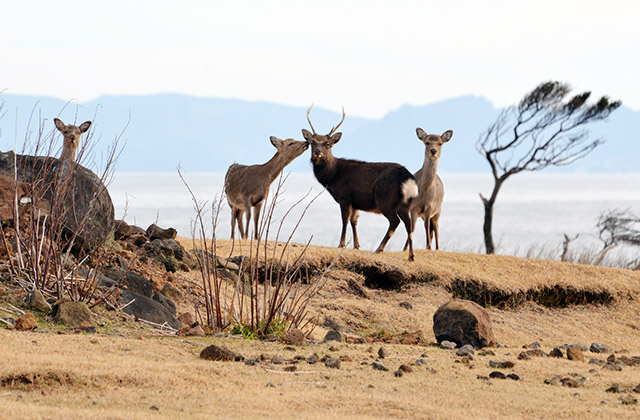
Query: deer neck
x=428 y=173
x=275 y=165
x=325 y=170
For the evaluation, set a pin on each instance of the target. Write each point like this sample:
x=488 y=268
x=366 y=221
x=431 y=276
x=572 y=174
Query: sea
x=533 y=210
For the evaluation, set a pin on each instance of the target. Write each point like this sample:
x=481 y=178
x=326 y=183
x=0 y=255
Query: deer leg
x=394 y=221
x=247 y=209
x=408 y=224
x=256 y=218
x=354 y=223
x=238 y=216
x=345 y=210
x=435 y=229
x=414 y=218
x=234 y=214
x=427 y=229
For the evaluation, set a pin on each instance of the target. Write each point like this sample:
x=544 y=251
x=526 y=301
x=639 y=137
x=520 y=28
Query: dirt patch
x=29 y=381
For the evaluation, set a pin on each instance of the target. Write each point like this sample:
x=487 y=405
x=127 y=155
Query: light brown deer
x=71 y=135
x=247 y=187
x=428 y=204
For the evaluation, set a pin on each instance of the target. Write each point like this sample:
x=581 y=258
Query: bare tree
x=545 y=129
x=618 y=227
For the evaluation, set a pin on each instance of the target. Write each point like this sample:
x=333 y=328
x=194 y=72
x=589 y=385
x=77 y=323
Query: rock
x=612 y=367
x=379 y=366
x=186 y=319
x=277 y=360
x=156 y=232
x=333 y=335
x=497 y=375
x=405 y=368
x=36 y=301
x=506 y=364
x=513 y=376
x=524 y=356
x=89 y=211
x=73 y=314
x=465 y=350
x=406 y=305
x=128 y=279
x=294 y=337
x=528 y=354
x=611 y=358
x=229 y=265
x=409 y=338
x=486 y=353
x=568 y=382
x=398 y=373
x=556 y=352
x=147 y=309
x=574 y=353
x=165 y=301
x=628 y=400
x=121 y=230
x=578 y=346
x=196 y=331
x=534 y=345
x=26 y=322
x=421 y=362
x=332 y=362
x=383 y=352
x=313 y=359
x=615 y=388
x=599 y=348
x=214 y=352
x=291 y=368
x=171 y=292
x=170 y=254
x=636 y=389
x=463 y=322
x=449 y=345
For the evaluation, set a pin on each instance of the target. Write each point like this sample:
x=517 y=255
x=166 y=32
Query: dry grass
x=118 y=374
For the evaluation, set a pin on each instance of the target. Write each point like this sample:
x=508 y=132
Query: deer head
x=289 y=149
x=321 y=144
x=71 y=135
x=433 y=142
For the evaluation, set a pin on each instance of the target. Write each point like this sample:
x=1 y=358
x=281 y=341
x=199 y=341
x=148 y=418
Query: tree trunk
x=488 y=215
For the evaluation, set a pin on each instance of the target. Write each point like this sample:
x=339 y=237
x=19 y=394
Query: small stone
x=291 y=368
x=154 y=408
x=448 y=345
x=556 y=352
x=332 y=362
x=628 y=400
x=383 y=352
x=465 y=350
x=599 y=348
x=196 y=331
x=524 y=356
x=421 y=362
x=345 y=358
x=26 y=322
x=277 y=359
x=534 y=345
x=615 y=388
x=513 y=376
x=574 y=353
x=214 y=352
x=611 y=358
x=578 y=346
x=497 y=375
x=186 y=319
x=506 y=364
x=334 y=348
x=406 y=305
x=486 y=353
x=405 y=368
x=568 y=382
x=294 y=337
x=252 y=362
x=398 y=373
x=270 y=385
x=313 y=359
x=636 y=389
x=553 y=381
x=379 y=366
x=333 y=335
x=612 y=367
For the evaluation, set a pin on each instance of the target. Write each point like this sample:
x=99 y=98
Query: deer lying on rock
x=71 y=135
x=386 y=188
x=428 y=204
x=247 y=187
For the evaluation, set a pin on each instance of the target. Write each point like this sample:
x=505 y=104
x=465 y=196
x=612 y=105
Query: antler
x=336 y=127
x=309 y=119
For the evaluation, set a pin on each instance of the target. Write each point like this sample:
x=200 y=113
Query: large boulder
x=73 y=314
x=125 y=278
x=463 y=322
x=87 y=209
x=148 y=309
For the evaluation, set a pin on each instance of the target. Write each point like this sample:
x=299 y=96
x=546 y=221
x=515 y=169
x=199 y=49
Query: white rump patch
x=409 y=190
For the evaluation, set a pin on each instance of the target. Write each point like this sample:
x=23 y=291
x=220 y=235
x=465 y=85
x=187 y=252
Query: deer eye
x=326 y=143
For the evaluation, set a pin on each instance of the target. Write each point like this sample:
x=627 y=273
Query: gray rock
x=448 y=345
x=379 y=366
x=332 y=362
x=599 y=348
x=36 y=301
x=465 y=350
x=147 y=309
x=502 y=364
x=333 y=335
x=313 y=359
x=128 y=279
x=383 y=352
x=277 y=360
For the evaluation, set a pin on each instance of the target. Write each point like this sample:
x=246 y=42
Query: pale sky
x=370 y=56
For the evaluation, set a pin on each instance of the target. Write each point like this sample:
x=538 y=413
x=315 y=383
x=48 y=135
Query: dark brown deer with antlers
x=247 y=186
x=386 y=188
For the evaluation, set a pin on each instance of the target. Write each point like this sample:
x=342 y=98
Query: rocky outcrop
x=86 y=210
x=148 y=309
x=463 y=322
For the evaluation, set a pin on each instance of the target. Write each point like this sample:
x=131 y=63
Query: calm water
x=532 y=209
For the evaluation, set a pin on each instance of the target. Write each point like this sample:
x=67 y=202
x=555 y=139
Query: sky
x=369 y=56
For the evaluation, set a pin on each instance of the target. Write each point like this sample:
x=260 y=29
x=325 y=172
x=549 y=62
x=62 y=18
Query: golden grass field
x=128 y=372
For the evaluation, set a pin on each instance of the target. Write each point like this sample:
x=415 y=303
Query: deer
x=428 y=204
x=247 y=187
x=71 y=138
x=378 y=187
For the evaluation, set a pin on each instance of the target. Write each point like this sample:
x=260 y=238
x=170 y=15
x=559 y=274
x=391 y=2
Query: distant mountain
x=208 y=134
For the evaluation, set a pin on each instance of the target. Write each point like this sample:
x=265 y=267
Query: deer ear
x=59 y=124
x=421 y=134
x=335 y=138
x=84 y=126
x=277 y=143
x=446 y=136
x=307 y=135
